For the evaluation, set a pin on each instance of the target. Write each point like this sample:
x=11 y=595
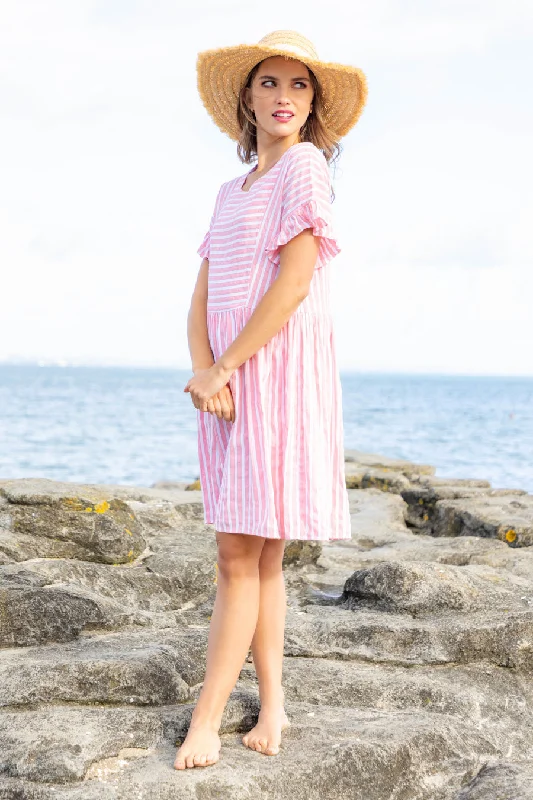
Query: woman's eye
x=268 y=82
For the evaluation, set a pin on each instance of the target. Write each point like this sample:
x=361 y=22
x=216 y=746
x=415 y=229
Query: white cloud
x=113 y=165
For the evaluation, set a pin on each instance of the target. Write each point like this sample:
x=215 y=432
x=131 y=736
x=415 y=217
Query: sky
x=110 y=166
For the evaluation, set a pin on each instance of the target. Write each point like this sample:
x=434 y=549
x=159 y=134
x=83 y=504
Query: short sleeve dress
x=278 y=470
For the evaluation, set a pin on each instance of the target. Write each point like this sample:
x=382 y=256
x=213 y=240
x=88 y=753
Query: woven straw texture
x=222 y=73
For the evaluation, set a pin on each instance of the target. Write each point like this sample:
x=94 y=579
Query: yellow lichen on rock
x=510 y=535
x=73 y=503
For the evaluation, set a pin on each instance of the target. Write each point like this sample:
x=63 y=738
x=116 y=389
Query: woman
x=265 y=383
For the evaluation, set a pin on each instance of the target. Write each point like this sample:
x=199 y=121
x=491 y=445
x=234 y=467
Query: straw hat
x=222 y=73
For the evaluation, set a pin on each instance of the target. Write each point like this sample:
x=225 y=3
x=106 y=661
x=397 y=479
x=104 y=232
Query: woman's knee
x=238 y=553
x=271 y=561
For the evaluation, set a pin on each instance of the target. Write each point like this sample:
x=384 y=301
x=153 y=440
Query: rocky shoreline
x=408 y=650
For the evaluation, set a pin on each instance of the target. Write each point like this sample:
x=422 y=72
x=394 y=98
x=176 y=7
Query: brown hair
x=314 y=130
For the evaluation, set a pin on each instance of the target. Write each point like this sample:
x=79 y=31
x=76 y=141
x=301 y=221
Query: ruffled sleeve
x=306 y=203
x=204 y=248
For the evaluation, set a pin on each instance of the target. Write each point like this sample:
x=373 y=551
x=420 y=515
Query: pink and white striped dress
x=278 y=470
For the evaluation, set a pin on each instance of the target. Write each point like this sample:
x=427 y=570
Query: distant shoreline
x=347 y=372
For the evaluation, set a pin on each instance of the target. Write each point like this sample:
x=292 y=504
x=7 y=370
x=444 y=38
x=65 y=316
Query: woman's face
x=281 y=95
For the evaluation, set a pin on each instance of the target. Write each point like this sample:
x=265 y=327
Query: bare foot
x=201 y=748
x=265 y=736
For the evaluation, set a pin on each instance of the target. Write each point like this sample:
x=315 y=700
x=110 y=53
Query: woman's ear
x=248 y=98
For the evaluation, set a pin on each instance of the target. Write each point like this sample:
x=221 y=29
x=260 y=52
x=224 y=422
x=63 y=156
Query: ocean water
x=137 y=426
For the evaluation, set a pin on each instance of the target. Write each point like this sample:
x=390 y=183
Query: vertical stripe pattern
x=278 y=470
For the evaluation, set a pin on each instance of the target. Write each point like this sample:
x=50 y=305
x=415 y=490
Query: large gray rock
x=60 y=744
x=356 y=458
x=507 y=518
x=448 y=506
x=47 y=518
x=422 y=497
x=422 y=589
x=408 y=657
x=445 y=506
x=505 y=640
x=327 y=752
x=371 y=471
x=369 y=478
x=34 y=614
x=134 y=667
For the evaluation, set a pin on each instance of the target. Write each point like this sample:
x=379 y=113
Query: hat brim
x=221 y=74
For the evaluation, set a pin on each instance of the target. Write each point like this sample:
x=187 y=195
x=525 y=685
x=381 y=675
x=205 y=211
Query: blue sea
x=137 y=426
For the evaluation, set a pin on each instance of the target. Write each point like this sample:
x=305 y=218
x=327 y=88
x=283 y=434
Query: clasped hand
x=210 y=392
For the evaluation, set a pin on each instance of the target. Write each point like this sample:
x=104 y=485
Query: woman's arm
x=278 y=304
x=290 y=287
x=199 y=347
x=202 y=357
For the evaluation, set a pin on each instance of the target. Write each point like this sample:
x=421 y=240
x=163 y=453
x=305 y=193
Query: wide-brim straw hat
x=223 y=72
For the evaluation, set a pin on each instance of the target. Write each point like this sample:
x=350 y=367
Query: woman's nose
x=283 y=95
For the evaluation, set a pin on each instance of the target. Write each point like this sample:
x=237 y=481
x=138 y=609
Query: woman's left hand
x=205 y=383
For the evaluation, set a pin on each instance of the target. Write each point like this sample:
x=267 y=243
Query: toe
x=189 y=761
x=272 y=751
x=200 y=759
x=179 y=763
x=263 y=744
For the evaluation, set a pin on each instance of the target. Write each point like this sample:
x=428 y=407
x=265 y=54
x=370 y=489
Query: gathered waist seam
x=251 y=308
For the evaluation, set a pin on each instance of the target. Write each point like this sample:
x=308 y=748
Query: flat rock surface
x=408 y=649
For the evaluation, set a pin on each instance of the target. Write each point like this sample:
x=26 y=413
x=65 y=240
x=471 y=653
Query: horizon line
x=42 y=364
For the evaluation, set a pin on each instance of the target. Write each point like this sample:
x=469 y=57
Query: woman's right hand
x=222 y=404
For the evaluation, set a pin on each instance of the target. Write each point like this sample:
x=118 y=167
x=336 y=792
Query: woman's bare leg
x=232 y=626
x=267 y=650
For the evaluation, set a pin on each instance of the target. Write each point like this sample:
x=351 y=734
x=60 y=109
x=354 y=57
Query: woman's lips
x=283 y=117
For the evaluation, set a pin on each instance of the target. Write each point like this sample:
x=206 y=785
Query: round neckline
x=245 y=191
